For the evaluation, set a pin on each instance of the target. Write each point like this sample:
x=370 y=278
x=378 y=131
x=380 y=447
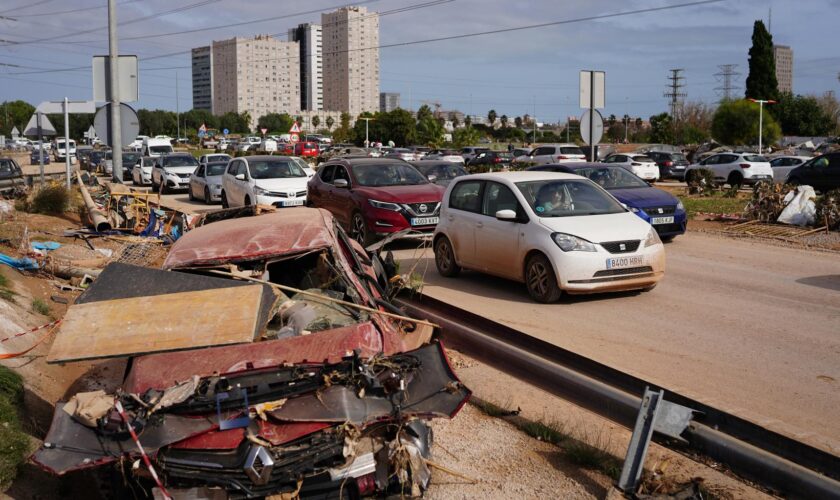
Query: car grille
x=279 y=194
x=622 y=272
x=668 y=228
x=615 y=246
x=654 y=211
x=416 y=209
x=184 y=176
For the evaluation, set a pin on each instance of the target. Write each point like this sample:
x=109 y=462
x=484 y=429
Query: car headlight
x=652 y=238
x=384 y=205
x=633 y=209
x=569 y=243
x=680 y=206
x=260 y=191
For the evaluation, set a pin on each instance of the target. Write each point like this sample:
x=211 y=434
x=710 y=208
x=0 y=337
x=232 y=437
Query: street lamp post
x=367 y=124
x=761 y=103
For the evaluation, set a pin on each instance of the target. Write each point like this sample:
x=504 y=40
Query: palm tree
x=504 y=120
x=330 y=122
x=491 y=117
x=315 y=121
x=518 y=122
x=468 y=121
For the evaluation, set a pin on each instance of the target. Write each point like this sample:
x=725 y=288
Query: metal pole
x=592 y=156
x=40 y=146
x=568 y=124
x=367 y=142
x=178 y=111
x=760 y=123
x=116 y=133
x=67 y=141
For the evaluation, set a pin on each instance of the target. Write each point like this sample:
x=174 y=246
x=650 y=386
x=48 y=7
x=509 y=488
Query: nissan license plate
x=631 y=261
x=293 y=203
x=424 y=221
x=662 y=220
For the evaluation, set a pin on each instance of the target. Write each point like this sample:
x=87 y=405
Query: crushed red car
x=330 y=401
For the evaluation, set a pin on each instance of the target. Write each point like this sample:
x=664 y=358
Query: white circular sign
x=294 y=138
x=597 y=124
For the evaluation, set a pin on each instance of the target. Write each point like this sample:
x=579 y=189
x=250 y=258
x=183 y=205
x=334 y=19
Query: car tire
x=207 y=199
x=247 y=201
x=190 y=194
x=445 y=258
x=540 y=280
x=648 y=288
x=735 y=180
x=359 y=230
x=163 y=188
x=224 y=200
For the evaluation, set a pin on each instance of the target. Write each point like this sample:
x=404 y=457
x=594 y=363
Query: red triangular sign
x=295 y=129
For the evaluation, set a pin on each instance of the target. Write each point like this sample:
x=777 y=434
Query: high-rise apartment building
x=259 y=75
x=784 y=67
x=388 y=101
x=308 y=37
x=202 y=78
x=351 y=60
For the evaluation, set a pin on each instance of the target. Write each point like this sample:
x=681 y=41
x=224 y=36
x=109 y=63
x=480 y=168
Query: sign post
x=40 y=125
x=591 y=99
x=66 y=107
x=294 y=132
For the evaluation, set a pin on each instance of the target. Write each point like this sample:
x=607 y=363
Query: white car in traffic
x=643 y=166
x=734 y=169
x=264 y=180
x=782 y=165
x=553 y=231
x=214 y=157
x=554 y=153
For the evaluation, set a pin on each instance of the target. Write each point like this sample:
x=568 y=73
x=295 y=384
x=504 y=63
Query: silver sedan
x=206 y=182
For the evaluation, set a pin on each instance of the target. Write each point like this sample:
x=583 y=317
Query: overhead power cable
x=33 y=4
x=73 y=11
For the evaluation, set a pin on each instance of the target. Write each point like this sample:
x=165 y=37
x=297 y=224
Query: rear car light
x=636 y=164
x=562 y=158
x=497 y=160
x=744 y=165
x=668 y=163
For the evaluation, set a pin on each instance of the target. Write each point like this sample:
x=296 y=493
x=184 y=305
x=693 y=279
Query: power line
x=73 y=11
x=673 y=92
x=724 y=76
x=26 y=6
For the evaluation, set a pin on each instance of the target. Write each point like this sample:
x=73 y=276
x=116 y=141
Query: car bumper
x=755 y=179
x=588 y=272
x=676 y=173
x=384 y=222
x=675 y=228
x=177 y=183
x=278 y=202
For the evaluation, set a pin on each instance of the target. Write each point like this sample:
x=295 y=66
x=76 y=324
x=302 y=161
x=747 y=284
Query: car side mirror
x=506 y=215
x=431 y=177
x=341 y=183
x=240 y=177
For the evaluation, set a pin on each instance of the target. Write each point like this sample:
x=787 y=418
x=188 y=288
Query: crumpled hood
x=600 y=228
x=644 y=197
x=402 y=194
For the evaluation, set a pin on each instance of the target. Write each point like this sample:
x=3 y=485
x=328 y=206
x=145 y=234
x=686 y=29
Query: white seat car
x=141 y=173
x=553 y=231
x=264 y=180
x=643 y=166
x=734 y=169
x=555 y=153
x=172 y=171
x=782 y=165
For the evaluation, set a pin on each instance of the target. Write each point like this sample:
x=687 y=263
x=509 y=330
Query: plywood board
x=158 y=323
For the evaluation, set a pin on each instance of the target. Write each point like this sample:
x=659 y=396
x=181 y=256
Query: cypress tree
x=761 y=81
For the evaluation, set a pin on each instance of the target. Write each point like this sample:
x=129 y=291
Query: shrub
x=51 y=199
x=40 y=307
x=828 y=209
x=15 y=444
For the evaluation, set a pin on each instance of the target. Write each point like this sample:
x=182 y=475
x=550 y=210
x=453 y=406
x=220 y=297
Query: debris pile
x=828 y=209
x=267 y=359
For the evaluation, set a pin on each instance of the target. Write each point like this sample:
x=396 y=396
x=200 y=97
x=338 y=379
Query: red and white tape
x=146 y=460
x=21 y=334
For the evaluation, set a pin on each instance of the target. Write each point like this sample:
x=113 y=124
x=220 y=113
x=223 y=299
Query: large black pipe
x=604 y=391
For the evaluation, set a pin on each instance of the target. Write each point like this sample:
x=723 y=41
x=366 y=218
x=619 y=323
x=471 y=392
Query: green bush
x=40 y=307
x=828 y=209
x=51 y=199
x=701 y=182
x=14 y=444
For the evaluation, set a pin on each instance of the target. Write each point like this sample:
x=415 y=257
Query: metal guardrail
x=775 y=461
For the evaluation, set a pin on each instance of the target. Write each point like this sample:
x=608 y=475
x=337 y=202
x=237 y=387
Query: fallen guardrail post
x=655 y=414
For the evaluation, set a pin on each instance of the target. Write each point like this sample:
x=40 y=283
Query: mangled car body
x=329 y=400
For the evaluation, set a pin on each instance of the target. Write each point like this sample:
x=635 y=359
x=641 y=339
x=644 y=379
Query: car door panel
x=497 y=241
x=341 y=199
x=463 y=216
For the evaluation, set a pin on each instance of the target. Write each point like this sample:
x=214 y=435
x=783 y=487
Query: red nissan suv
x=373 y=197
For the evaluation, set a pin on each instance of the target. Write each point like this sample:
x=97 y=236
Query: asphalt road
x=746 y=327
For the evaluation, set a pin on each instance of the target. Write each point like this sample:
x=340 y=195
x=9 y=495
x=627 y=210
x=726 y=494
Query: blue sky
x=515 y=73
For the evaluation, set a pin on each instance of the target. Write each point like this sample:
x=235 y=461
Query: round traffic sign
x=593 y=121
x=129 y=124
x=226 y=131
x=294 y=138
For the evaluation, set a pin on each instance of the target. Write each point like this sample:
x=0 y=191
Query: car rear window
x=678 y=157
x=571 y=151
x=642 y=158
x=757 y=158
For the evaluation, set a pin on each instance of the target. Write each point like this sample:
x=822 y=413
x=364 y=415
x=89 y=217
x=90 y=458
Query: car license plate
x=662 y=220
x=620 y=262
x=293 y=203
x=424 y=221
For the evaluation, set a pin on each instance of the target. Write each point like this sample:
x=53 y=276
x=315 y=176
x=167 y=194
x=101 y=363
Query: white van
x=137 y=143
x=268 y=146
x=156 y=147
x=61 y=151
